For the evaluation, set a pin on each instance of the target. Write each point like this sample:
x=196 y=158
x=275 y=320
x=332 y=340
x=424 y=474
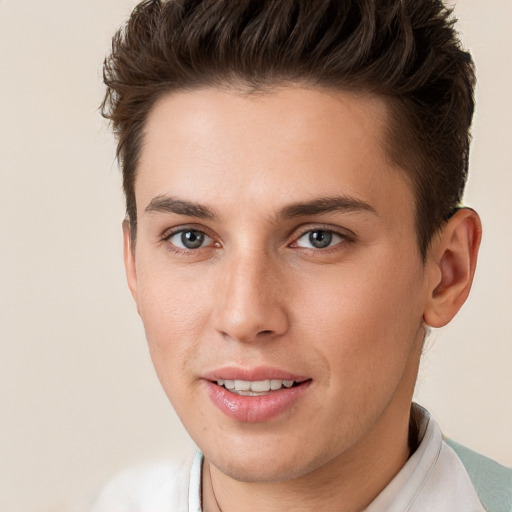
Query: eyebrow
x=345 y=204
x=167 y=204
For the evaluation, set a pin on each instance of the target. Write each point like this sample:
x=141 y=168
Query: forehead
x=288 y=144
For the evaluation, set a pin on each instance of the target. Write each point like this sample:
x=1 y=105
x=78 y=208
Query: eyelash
x=345 y=238
x=184 y=229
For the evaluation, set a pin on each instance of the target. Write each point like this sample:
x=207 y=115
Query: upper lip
x=252 y=374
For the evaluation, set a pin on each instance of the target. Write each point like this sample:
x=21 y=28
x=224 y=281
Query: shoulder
x=491 y=480
x=442 y=475
x=155 y=487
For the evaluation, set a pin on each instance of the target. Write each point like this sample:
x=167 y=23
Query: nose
x=249 y=299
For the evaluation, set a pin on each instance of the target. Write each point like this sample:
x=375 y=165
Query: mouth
x=256 y=395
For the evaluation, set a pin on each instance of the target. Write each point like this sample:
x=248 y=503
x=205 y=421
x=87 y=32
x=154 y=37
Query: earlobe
x=129 y=259
x=453 y=257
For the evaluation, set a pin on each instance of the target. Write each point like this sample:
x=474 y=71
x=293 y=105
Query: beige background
x=78 y=398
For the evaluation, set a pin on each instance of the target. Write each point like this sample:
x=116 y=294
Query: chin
x=261 y=472
x=267 y=465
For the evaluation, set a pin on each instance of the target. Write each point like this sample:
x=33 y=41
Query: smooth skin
x=235 y=264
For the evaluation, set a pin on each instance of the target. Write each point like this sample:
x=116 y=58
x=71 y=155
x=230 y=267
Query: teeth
x=258 y=386
x=242 y=385
x=275 y=384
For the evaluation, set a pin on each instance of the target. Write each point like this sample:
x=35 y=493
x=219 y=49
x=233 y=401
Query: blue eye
x=189 y=239
x=319 y=239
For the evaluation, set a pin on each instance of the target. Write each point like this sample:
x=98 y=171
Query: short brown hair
x=406 y=51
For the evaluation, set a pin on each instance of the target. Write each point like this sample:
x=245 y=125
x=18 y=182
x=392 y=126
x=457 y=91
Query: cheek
x=366 y=319
x=168 y=298
x=174 y=312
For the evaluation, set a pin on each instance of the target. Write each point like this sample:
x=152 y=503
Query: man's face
x=276 y=243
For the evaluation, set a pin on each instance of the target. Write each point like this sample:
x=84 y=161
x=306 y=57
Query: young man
x=293 y=171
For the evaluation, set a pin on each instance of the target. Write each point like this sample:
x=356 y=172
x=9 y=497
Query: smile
x=256 y=387
x=255 y=395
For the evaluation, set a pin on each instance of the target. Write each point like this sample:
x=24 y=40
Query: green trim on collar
x=492 y=481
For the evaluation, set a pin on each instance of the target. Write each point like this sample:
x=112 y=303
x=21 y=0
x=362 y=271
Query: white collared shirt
x=434 y=479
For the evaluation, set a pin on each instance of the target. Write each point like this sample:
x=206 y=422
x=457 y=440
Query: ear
x=129 y=258
x=452 y=259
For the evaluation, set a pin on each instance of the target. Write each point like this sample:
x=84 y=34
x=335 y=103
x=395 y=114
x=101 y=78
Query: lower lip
x=254 y=409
